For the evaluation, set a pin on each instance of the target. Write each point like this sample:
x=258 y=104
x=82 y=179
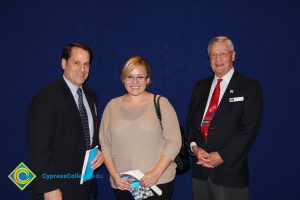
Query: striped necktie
x=212 y=108
x=84 y=119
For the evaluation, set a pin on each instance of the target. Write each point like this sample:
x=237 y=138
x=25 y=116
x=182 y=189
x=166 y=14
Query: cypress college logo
x=21 y=176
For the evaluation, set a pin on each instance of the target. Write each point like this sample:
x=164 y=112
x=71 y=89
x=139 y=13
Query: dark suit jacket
x=232 y=131
x=55 y=139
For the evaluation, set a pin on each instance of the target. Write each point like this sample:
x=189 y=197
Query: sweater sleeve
x=171 y=130
x=104 y=133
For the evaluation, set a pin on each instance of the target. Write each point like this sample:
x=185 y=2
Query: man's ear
x=63 y=64
x=233 y=56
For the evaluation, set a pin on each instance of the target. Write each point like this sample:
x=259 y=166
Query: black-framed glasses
x=221 y=55
x=138 y=78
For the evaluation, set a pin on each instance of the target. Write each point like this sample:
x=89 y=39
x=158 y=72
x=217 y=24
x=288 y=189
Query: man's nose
x=82 y=67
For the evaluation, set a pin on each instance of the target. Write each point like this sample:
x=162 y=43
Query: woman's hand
x=150 y=178
x=120 y=183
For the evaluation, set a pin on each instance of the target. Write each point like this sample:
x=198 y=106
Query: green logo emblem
x=21 y=176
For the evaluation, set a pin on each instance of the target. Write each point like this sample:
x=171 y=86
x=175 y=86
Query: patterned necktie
x=212 y=108
x=84 y=119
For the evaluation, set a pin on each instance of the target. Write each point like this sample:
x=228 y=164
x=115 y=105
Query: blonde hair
x=133 y=62
x=220 y=39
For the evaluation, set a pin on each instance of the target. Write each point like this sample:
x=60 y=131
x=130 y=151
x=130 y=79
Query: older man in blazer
x=57 y=135
x=223 y=121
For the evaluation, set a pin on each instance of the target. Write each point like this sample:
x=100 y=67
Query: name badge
x=236 y=99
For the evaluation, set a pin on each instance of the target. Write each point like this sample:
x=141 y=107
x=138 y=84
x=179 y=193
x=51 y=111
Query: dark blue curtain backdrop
x=173 y=36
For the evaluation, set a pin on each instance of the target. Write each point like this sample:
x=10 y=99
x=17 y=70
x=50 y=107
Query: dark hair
x=66 y=52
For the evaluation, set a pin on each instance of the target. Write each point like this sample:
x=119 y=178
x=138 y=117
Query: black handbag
x=182 y=159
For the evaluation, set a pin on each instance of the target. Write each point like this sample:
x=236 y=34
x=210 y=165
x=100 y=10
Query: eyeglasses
x=139 y=78
x=221 y=55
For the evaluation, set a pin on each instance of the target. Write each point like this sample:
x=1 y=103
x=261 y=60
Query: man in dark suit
x=59 y=134
x=223 y=121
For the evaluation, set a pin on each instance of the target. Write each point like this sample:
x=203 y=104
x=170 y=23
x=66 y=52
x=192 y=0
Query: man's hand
x=98 y=160
x=203 y=157
x=215 y=158
x=53 y=195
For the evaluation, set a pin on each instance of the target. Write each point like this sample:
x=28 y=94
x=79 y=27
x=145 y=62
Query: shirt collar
x=227 y=76
x=72 y=87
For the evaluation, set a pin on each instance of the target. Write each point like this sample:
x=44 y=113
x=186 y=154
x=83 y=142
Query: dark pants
x=206 y=190
x=167 y=190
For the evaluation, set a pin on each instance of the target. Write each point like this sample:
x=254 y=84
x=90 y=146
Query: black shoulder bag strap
x=157 y=109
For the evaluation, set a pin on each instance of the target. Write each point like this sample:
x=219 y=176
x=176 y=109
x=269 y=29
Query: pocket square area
x=236 y=99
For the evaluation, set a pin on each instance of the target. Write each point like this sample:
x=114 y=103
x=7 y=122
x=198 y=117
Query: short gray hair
x=220 y=39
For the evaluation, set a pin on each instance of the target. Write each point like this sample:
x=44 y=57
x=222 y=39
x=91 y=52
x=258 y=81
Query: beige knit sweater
x=134 y=139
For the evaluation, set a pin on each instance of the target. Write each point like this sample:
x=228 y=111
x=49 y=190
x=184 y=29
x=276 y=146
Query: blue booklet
x=87 y=171
x=137 y=190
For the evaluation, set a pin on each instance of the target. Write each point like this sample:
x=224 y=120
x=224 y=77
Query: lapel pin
x=231 y=91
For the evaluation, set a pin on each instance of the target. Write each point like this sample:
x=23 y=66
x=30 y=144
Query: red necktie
x=212 y=108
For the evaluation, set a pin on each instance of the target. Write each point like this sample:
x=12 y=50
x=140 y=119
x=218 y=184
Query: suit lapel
x=70 y=103
x=203 y=99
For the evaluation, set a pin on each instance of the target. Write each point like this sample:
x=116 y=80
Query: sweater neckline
x=121 y=105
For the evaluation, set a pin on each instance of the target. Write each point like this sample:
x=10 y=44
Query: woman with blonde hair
x=132 y=138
